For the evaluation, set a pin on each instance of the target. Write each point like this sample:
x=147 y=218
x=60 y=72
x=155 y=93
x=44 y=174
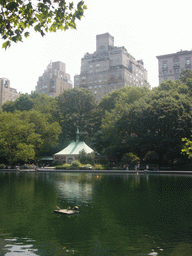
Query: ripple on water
x=19 y=246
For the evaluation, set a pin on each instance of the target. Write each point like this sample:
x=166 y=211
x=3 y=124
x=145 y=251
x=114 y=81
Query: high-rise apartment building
x=109 y=68
x=6 y=92
x=54 y=79
x=171 y=65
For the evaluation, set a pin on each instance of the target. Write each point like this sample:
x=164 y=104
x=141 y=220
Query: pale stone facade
x=54 y=80
x=6 y=92
x=171 y=65
x=109 y=68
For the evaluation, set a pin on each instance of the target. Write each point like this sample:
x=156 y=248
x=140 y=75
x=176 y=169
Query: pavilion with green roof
x=71 y=152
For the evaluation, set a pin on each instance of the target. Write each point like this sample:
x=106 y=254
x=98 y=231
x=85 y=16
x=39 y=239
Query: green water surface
x=124 y=214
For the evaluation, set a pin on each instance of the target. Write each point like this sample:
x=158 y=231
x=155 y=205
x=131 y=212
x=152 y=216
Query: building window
x=176 y=70
x=165 y=65
x=188 y=61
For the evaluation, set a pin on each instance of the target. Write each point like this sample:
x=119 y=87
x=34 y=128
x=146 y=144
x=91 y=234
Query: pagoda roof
x=74 y=148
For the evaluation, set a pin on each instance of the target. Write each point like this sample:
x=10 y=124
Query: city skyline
x=145 y=29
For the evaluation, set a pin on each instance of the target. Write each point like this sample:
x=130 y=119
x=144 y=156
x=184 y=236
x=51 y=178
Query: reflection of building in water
x=75 y=190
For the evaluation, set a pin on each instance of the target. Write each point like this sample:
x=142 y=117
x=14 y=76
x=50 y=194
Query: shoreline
x=98 y=171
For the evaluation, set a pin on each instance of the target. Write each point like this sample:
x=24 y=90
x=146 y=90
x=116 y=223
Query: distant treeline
x=150 y=124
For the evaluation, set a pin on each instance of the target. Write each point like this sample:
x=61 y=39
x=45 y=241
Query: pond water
x=123 y=214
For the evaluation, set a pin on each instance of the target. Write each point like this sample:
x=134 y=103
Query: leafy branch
x=17 y=16
x=187 y=148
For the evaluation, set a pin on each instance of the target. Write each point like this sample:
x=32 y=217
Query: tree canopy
x=148 y=124
x=27 y=134
x=77 y=108
x=17 y=138
x=156 y=121
x=17 y=16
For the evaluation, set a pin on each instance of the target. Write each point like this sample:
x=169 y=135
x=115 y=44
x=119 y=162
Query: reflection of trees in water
x=77 y=186
x=182 y=249
x=119 y=214
x=74 y=190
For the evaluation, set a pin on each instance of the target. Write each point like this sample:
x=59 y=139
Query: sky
x=145 y=28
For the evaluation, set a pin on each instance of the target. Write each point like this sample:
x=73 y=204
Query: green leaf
x=6 y=44
x=53 y=28
x=11 y=6
x=22 y=25
x=71 y=6
x=26 y=34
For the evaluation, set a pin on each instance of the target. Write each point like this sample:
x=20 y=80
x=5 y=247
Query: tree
x=113 y=106
x=186 y=74
x=8 y=106
x=130 y=159
x=85 y=158
x=154 y=123
x=187 y=147
x=17 y=138
x=125 y=95
x=17 y=16
x=23 y=102
x=47 y=129
x=25 y=135
x=46 y=105
x=37 y=101
x=151 y=157
x=175 y=86
x=77 y=108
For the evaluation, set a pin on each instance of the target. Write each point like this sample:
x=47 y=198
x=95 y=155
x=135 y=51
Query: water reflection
x=18 y=246
x=119 y=214
x=72 y=189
